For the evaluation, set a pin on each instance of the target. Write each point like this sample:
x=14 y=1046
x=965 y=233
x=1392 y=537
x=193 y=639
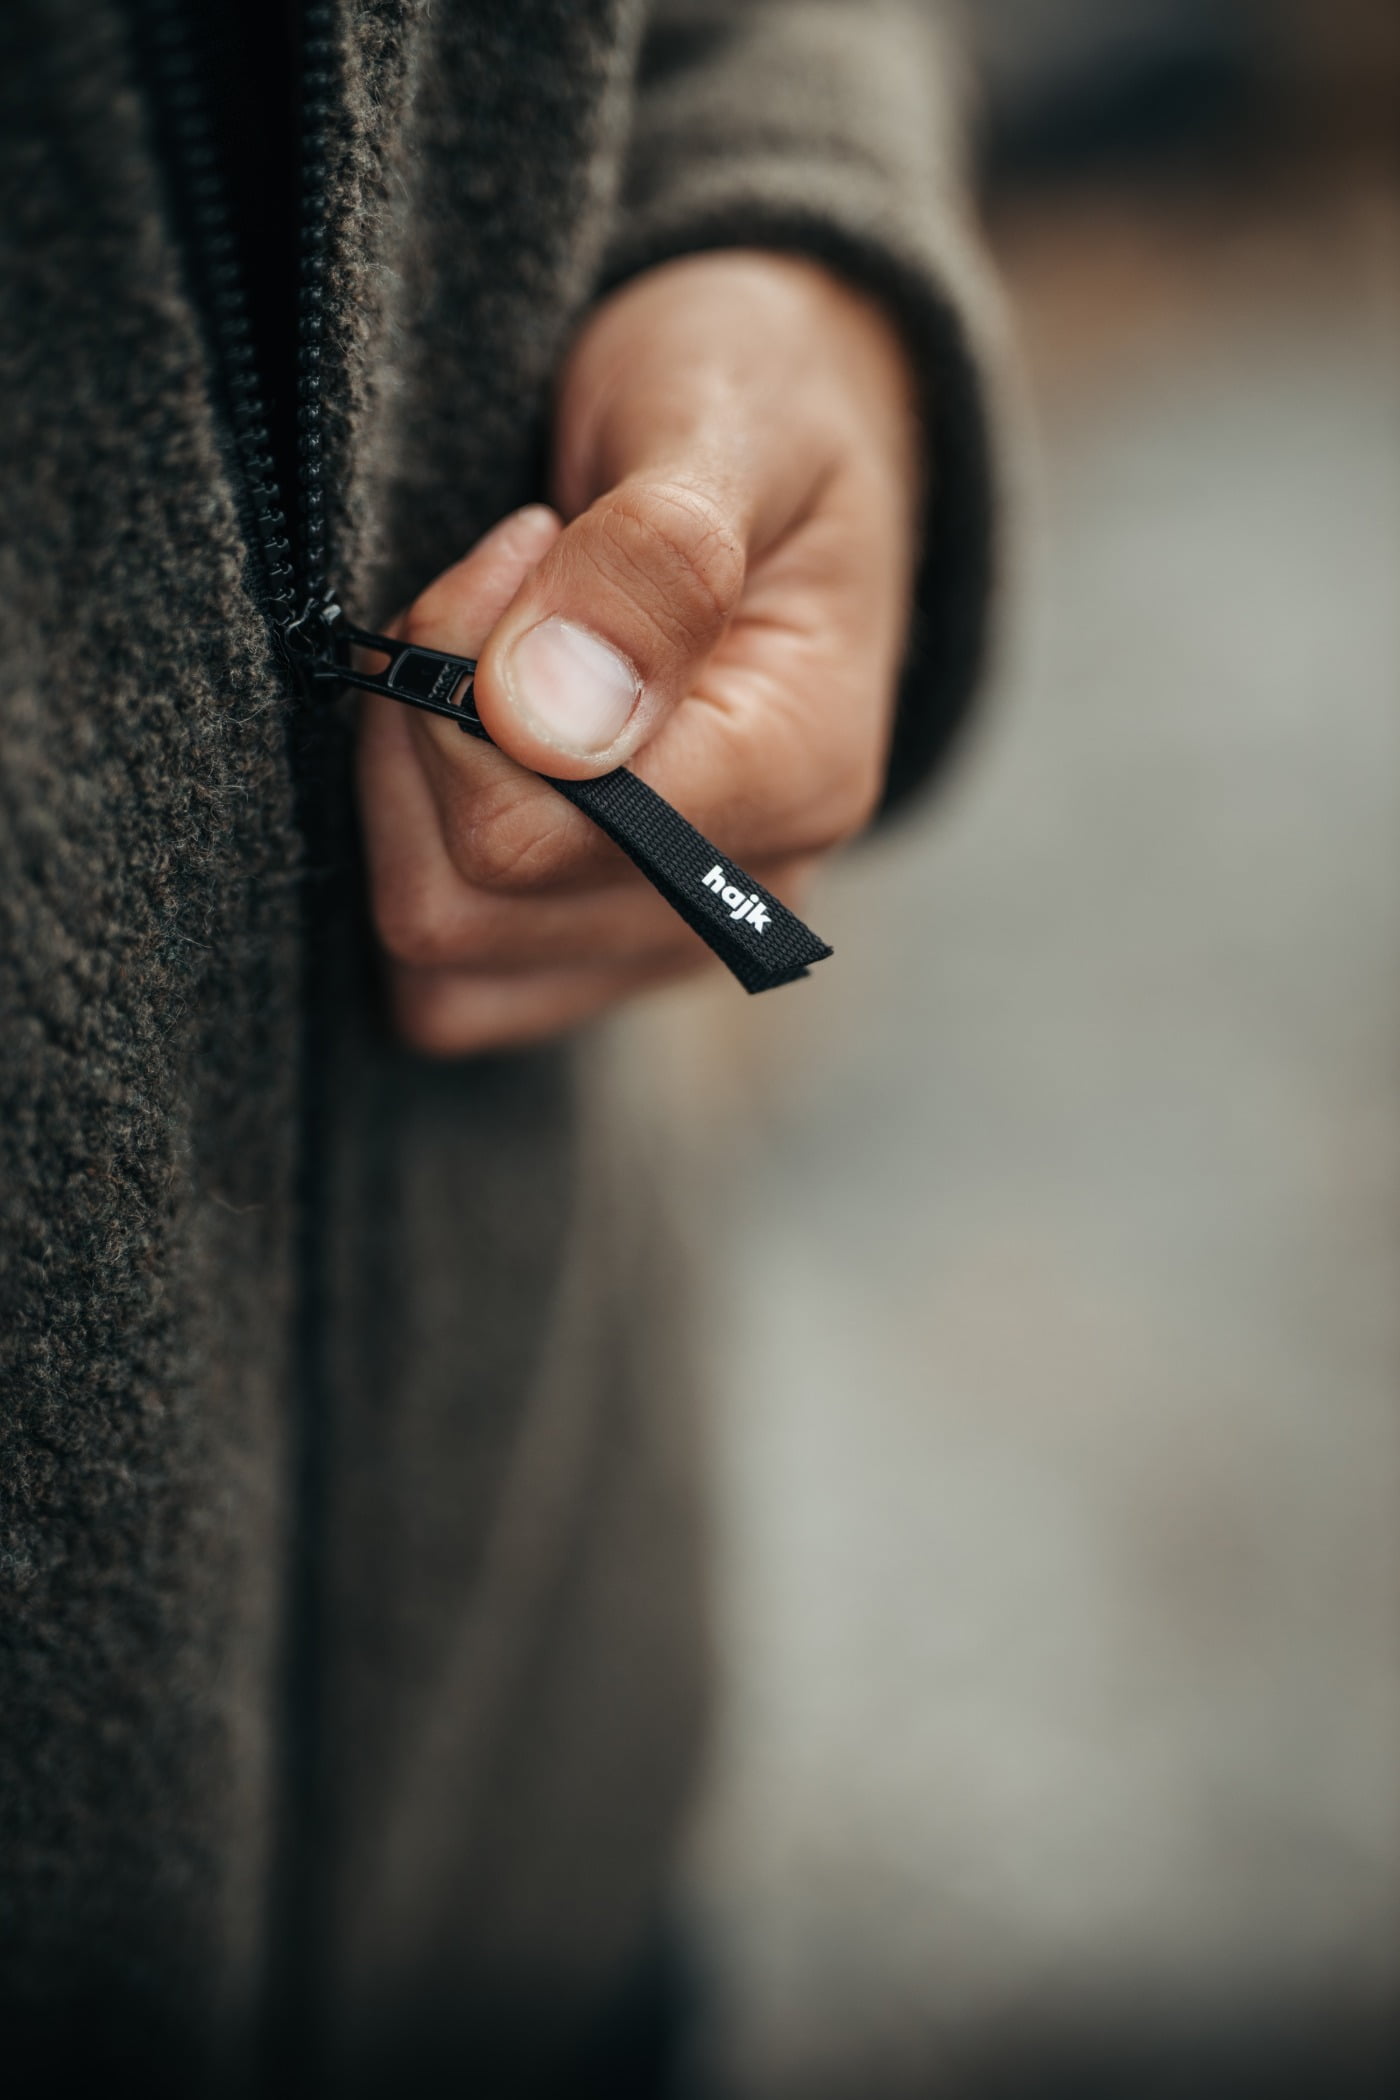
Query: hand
x=726 y=612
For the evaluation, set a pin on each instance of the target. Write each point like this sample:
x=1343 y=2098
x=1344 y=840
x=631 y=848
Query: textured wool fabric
x=352 y=1645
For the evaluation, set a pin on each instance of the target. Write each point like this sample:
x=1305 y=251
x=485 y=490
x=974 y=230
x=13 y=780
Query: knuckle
x=419 y=625
x=844 y=803
x=429 y=621
x=511 y=843
x=431 y=1019
x=674 y=550
x=416 y=924
x=822 y=754
x=858 y=799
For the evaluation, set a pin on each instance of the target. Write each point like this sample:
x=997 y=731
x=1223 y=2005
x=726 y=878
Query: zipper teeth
x=213 y=259
x=203 y=200
x=318 y=85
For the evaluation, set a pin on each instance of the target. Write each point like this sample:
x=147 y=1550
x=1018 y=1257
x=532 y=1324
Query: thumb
x=608 y=633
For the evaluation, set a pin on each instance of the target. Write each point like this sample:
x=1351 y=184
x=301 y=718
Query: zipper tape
x=752 y=932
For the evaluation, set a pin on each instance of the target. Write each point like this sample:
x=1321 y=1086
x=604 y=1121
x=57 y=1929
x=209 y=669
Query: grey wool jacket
x=351 y=1586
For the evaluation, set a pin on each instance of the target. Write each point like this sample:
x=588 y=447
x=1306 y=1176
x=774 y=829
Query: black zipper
x=287 y=576
x=288 y=582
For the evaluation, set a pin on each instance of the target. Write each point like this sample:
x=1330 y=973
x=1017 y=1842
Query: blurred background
x=1055 y=1230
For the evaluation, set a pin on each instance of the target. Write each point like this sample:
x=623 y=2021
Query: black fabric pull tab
x=751 y=931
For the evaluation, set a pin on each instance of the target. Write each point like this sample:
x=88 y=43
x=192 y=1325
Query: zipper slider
x=310 y=636
x=327 y=650
x=752 y=932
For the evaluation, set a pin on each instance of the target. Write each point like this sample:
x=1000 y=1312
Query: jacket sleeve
x=828 y=127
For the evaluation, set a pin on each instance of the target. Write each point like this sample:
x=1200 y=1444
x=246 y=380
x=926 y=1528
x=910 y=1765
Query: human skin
x=737 y=485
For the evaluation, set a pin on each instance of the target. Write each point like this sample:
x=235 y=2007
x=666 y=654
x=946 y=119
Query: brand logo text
x=745 y=905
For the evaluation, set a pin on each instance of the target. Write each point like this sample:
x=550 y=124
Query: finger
x=607 y=635
x=404 y=820
x=466 y=600
x=444 y=1013
x=783 y=750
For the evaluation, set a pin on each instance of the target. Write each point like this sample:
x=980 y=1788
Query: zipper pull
x=752 y=932
x=322 y=644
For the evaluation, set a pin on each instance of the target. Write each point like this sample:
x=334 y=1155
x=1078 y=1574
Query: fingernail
x=571 y=688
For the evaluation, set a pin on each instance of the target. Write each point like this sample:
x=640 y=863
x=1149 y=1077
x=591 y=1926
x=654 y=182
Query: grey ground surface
x=1056 y=1272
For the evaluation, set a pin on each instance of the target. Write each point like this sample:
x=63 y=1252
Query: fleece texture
x=352 y=1642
